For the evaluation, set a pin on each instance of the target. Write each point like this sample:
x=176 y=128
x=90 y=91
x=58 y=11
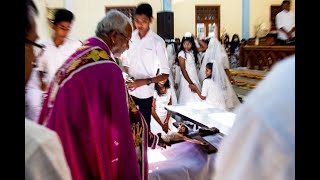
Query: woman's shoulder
x=182 y=54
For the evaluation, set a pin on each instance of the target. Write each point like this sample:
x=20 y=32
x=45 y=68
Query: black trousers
x=145 y=106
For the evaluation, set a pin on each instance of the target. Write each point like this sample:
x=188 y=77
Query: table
x=204 y=115
x=183 y=160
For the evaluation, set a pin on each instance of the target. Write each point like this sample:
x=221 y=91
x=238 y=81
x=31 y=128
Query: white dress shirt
x=285 y=19
x=53 y=57
x=143 y=58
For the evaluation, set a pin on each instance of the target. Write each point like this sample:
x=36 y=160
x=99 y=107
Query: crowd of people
x=94 y=108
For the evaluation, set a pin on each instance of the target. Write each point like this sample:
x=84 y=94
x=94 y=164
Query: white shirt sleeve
x=42 y=63
x=182 y=54
x=163 y=58
x=197 y=44
x=155 y=94
x=124 y=58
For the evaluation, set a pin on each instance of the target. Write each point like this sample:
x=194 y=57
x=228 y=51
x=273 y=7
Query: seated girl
x=161 y=120
x=211 y=92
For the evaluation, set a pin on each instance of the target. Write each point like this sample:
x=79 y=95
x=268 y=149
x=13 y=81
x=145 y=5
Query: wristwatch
x=149 y=81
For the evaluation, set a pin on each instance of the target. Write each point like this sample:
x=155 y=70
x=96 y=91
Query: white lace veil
x=216 y=54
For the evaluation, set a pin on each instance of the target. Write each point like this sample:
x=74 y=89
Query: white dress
x=161 y=102
x=185 y=93
x=212 y=91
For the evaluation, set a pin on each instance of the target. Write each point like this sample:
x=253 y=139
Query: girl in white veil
x=171 y=59
x=218 y=56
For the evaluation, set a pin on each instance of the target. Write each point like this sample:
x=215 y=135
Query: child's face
x=187 y=45
x=162 y=82
x=208 y=72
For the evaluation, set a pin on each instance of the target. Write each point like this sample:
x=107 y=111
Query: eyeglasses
x=143 y=21
x=38 y=49
x=63 y=27
x=129 y=40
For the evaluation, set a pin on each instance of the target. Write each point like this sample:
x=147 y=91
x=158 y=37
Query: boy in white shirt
x=145 y=56
x=57 y=50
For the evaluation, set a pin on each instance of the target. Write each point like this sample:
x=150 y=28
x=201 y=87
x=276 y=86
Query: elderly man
x=44 y=157
x=87 y=106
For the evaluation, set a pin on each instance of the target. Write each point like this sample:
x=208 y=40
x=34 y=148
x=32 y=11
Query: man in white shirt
x=58 y=49
x=285 y=23
x=145 y=56
x=44 y=156
x=261 y=143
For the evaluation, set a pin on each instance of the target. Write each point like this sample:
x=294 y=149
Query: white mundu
x=261 y=143
x=144 y=57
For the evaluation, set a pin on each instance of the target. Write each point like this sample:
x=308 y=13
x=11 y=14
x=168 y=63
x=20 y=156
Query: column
x=245 y=19
x=167 y=5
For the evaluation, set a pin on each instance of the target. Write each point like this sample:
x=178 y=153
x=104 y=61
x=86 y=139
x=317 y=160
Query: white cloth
x=217 y=55
x=285 y=19
x=161 y=102
x=143 y=58
x=214 y=52
x=261 y=143
x=44 y=156
x=185 y=93
x=171 y=54
x=212 y=92
x=176 y=77
x=53 y=57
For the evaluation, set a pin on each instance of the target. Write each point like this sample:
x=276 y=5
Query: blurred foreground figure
x=261 y=143
x=44 y=157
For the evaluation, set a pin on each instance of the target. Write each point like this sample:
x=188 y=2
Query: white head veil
x=217 y=55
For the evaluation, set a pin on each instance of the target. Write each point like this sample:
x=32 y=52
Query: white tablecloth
x=206 y=115
x=183 y=161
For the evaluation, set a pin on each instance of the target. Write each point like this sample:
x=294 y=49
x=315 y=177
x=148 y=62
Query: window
x=129 y=11
x=206 y=17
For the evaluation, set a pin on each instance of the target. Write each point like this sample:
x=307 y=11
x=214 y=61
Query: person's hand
x=44 y=86
x=165 y=127
x=194 y=37
x=161 y=142
x=137 y=83
x=193 y=87
x=176 y=86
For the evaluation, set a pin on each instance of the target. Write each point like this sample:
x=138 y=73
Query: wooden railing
x=263 y=57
